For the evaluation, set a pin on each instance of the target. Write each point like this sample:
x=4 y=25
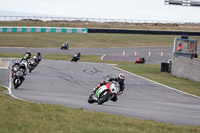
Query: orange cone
x=123 y=53
x=135 y=54
x=149 y=54
x=161 y=54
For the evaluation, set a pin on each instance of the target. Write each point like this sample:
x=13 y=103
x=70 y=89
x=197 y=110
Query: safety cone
x=123 y=53
x=149 y=54
x=161 y=54
x=135 y=54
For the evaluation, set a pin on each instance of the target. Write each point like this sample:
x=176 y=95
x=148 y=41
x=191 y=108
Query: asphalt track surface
x=70 y=84
x=110 y=53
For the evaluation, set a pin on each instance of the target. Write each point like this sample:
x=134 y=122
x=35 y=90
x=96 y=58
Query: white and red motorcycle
x=31 y=65
x=104 y=93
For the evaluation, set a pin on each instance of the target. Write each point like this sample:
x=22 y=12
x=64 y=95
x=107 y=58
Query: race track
x=111 y=53
x=70 y=84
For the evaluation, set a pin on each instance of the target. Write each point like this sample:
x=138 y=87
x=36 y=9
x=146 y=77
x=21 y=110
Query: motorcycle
x=64 y=46
x=31 y=65
x=104 y=93
x=76 y=57
x=19 y=78
x=141 y=60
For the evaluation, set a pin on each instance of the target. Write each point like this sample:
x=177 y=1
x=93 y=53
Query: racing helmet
x=23 y=66
x=17 y=62
x=28 y=51
x=121 y=78
x=38 y=53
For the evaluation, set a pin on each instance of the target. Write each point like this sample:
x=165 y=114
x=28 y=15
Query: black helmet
x=23 y=66
x=38 y=53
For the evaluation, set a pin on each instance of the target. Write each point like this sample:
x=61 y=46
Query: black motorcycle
x=18 y=79
x=76 y=57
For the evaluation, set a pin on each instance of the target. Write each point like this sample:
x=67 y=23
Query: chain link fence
x=101 y=20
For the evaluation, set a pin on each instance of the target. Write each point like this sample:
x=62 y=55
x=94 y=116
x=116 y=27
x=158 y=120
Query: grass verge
x=18 y=116
x=52 y=40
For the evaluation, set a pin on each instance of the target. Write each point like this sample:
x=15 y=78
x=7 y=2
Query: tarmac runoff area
x=4 y=63
x=70 y=84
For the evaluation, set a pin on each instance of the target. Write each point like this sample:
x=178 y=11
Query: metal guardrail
x=41 y=18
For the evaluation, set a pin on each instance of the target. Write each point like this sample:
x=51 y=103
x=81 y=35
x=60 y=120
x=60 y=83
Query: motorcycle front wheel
x=17 y=83
x=90 y=99
x=103 y=98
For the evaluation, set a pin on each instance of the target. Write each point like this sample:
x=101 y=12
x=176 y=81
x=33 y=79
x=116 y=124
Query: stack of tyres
x=165 y=67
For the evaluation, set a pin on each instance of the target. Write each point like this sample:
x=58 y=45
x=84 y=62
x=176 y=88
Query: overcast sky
x=114 y=9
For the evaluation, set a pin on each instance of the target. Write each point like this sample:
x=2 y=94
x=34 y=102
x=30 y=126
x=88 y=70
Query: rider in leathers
x=16 y=65
x=120 y=79
x=27 y=56
x=37 y=57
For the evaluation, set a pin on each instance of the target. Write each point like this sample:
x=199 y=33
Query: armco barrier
x=152 y=32
x=44 y=29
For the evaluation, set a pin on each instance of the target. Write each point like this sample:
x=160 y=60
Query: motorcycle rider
x=37 y=57
x=16 y=65
x=77 y=54
x=27 y=55
x=66 y=45
x=76 y=57
x=120 y=79
x=23 y=69
x=15 y=76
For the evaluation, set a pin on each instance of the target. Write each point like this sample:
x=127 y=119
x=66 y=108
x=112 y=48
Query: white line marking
x=103 y=56
x=157 y=82
x=9 y=88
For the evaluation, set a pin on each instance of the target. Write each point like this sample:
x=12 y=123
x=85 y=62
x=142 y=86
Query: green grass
x=18 y=116
x=165 y=78
x=50 y=40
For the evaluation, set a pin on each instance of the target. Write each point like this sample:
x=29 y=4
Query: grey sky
x=116 y=9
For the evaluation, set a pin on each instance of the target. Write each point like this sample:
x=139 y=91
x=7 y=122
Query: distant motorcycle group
x=19 y=69
x=75 y=57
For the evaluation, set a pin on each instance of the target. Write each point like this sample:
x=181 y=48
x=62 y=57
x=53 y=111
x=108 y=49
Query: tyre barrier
x=152 y=32
x=44 y=29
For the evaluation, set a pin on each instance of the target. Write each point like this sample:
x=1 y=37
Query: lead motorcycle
x=104 y=93
x=18 y=79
